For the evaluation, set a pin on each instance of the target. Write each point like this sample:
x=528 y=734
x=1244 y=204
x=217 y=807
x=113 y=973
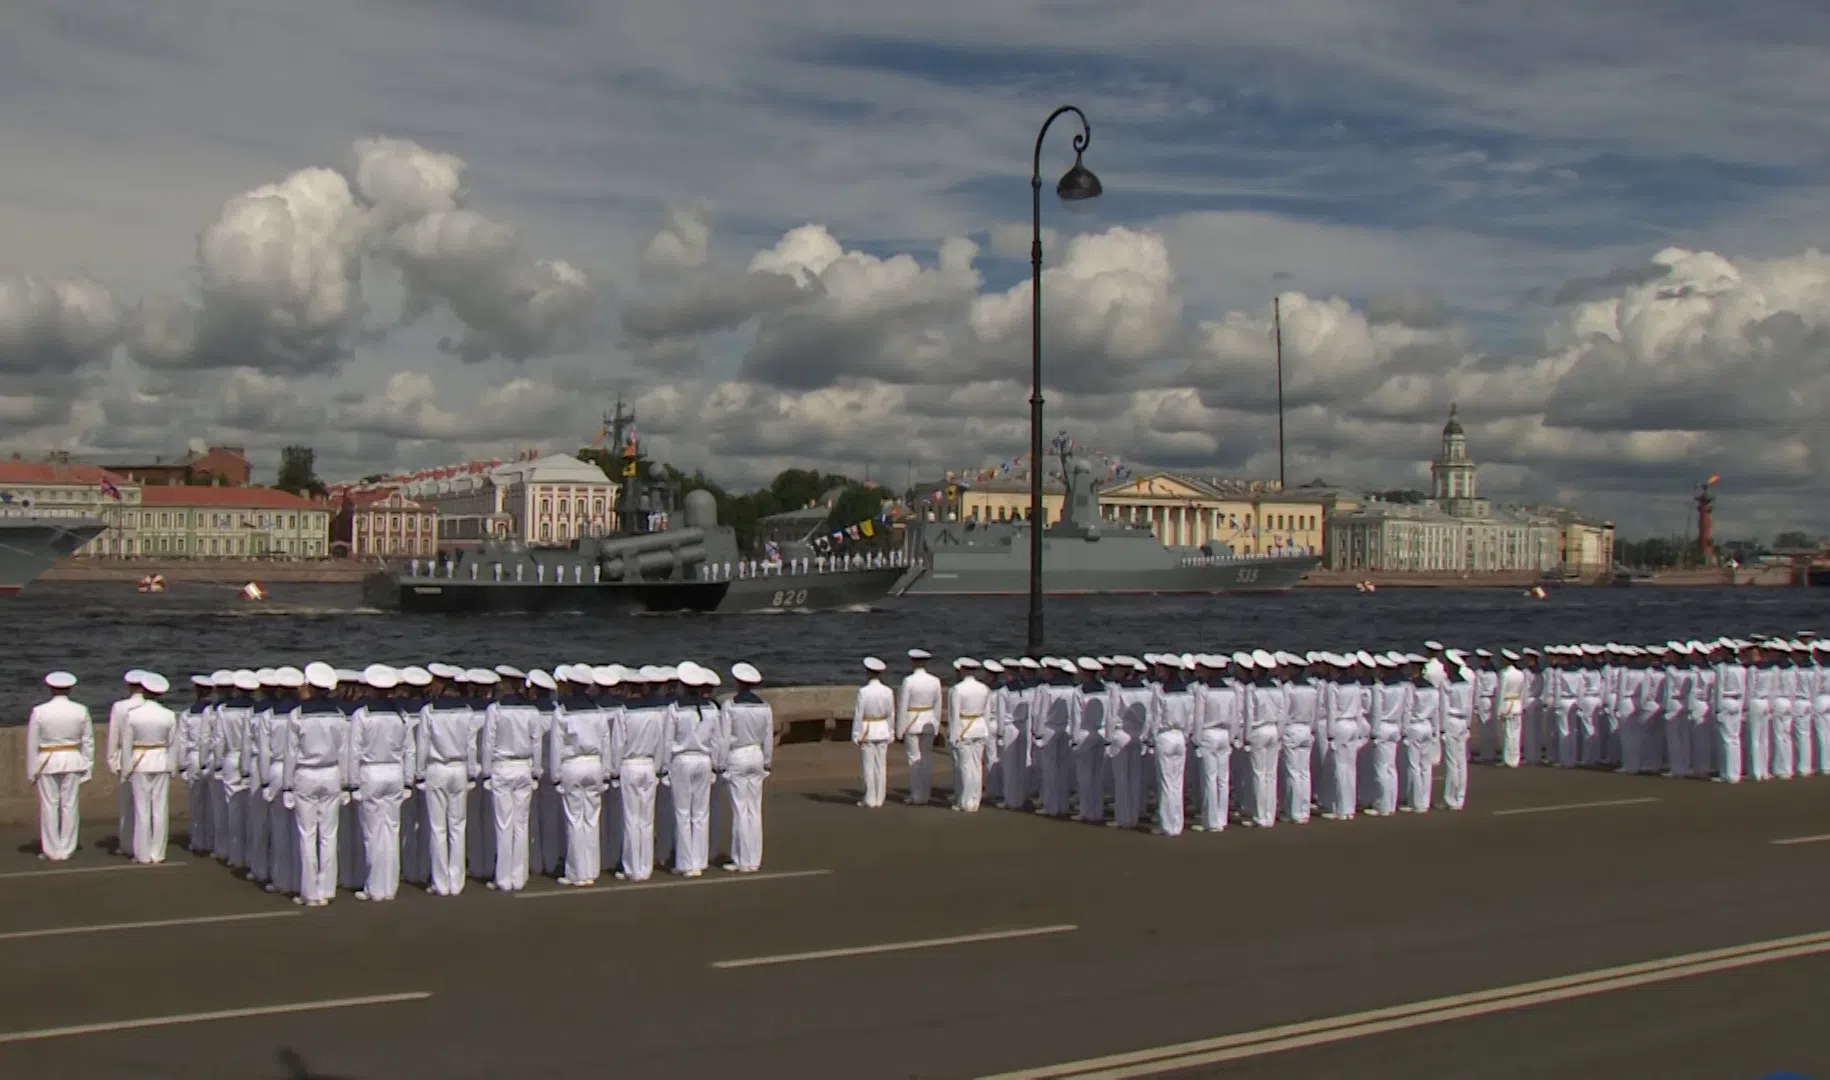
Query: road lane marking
x=1576 y=806
x=1802 y=840
x=617 y=888
x=207 y=1017
x=1421 y=1013
x=87 y=870
x=894 y=946
x=151 y=924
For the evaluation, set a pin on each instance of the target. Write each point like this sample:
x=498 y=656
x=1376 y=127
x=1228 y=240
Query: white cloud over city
x=797 y=234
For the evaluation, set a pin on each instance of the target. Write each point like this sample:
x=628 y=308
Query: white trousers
x=1802 y=721
x=1213 y=776
x=918 y=747
x=1013 y=766
x=1454 y=769
x=1728 y=741
x=1568 y=727
x=1780 y=747
x=1419 y=770
x=380 y=791
x=1344 y=789
x=352 y=867
x=414 y=854
x=743 y=777
x=689 y=776
x=1171 y=773
x=232 y=840
x=1678 y=731
x=550 y=817
x=1298 y=782
x=260 y=835
x=1511 y=724
x=317 y=798
x=1593 y=727
x=283 y=845
x=197 y=793
x=1054 y=771
x=638 y=785
x=1820 y=723
x=581 y=794
x=1127 y=784
x=968 y=773
x=875 y=764
x=1381 y=769
x=447 y=791
x=1264 y=747
x=57 y=815
x=151 y=816
x=511 y=801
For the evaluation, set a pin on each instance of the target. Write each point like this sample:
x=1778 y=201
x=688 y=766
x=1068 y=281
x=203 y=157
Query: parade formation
x=318 y=778
x=1273 y=735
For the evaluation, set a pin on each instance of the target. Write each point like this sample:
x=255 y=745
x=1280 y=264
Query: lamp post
x=1076 y=184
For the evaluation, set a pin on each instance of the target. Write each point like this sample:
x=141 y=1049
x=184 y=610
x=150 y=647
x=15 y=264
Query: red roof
x=46 y=472
x=235 y=498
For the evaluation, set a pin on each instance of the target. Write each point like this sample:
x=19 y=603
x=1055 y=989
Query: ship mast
x=620 y=423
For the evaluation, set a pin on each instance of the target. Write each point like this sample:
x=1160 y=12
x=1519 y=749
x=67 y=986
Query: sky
x=411 y=232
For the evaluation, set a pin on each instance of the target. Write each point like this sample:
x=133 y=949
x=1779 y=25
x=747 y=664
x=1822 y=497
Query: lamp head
x=1078 y=183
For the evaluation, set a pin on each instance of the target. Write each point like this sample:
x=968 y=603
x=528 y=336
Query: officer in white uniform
x=149 y=739
x=746 y=752
x=968 y=729
x=873 y=717
x=59 y=759
x=382 y=744
x=918 y=709
x=117 y=761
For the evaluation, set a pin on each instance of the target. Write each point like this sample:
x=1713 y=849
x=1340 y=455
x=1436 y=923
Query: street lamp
x=1076 y=184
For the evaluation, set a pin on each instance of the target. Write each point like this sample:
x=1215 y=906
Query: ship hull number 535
x=789 y=598
x=1247 y=575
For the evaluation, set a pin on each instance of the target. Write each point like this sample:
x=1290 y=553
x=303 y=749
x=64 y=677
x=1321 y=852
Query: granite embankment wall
x=802 y=714
x=212 y=571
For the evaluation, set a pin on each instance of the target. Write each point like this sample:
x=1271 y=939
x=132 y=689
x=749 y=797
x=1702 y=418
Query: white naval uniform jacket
x=968 y=707
x=641 y=733
x=873 y=713
x=1509 y=694
x=1127 y=711
x=1457 y=707
x=117 y=713
x=1346 y=703
x=692 y=728
x=380 y=735
x=193 y=729
x=577 y=733
x=149 y=737
x=918 y=706
x=744 y=721
x=511 y=732
x=59 y=739
x=1218 y=709
x=317 y=737
x=447 y=736
x=1173 y=711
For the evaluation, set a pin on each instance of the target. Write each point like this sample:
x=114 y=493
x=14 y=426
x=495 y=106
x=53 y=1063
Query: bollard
x=519 y=567
x=498 y=571
x=473 y=571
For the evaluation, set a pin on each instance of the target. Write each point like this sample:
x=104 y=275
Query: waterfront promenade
x=913 y=942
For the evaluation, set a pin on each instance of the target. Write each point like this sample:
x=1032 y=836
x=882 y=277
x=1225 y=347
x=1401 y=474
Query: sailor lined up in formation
x=312 y=779
x=1269 y=734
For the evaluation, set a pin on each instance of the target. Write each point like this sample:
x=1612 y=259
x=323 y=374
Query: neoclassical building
x=1454 y=530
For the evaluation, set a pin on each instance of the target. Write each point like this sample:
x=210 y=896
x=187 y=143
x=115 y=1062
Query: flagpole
x=1277 y=329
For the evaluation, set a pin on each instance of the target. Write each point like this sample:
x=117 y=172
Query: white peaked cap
x=965 y=663
x=289 y=677
x=993 y=666
x=562 y=672
x=684 y=666
x=222 y=676
x=1414 y=658
x=1483 y=654
x=133 y=676
x=1189 y=660
x=1528 y=651
x=381 y=677
x=1509 y=654
x=1384 y=660
x=1010 y=662
x=203 y=680
x=1244 y=661
x=1455 y=656
x=920 y=654
x=541 y=679
x=606 y=676
x=1681 y=648
x=577 y=674
x=441 y=670
x=871 y=663
x=692 y=676
x=321 y=675
x=60 y=680
x=245 y=680
x=1433 y=646
x=510 y=671
x=1658 y=650
x=1126 y=661
x=154 y=683
x=1030 y=663
x=267 y=676
x=1263 y=658
x=1365 y=658
x=746 y=674
x=711 y=677
x=1087 y=663
x=482 y=676
x=416 y=676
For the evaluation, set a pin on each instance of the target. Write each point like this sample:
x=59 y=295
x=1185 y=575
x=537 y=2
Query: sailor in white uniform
x=1509 y=708
x=1486 y=700
x=1457 y=718
x=638 y=757
x=511 y=758
x=272 y=845
x=1216 y=727
x=1390 y=708
x=1267 y=710
x=59 y=759
x=746 y=752
x=1168 y=731
x=918 y=709
x=578 y=753
x=1820 y=708
x=1420 y=739
x=117 y=762
x=968 y=729
x=1127 y=714
x=415 y=831
x=381 y=745
x=193 y=738
x=1349 y=695
x=692 y=733
x=149 y=738
x=546 y=839
x=873 y=717
x=234 y=754
x=317 y=772
x=995 y=681
x=448 y=766
x=1304 y=690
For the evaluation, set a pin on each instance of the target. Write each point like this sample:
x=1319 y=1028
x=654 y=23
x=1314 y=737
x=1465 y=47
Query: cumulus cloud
x=280 y=272
x=409 y=408
x=49 y=325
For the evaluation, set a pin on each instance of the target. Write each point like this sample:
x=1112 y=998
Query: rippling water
x=99 y=630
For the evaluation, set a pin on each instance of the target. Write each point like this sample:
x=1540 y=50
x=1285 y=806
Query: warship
x=1082 y=553
x=32 y=540
x=653 y=561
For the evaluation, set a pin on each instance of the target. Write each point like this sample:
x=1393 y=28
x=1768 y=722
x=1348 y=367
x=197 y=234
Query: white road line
x=894 y=946
x=88 y=870
x=616 y=889
x=1421 y=1013
x=206 y=1017
x=1802 y=840
x=1576 y=806
x=151 y=924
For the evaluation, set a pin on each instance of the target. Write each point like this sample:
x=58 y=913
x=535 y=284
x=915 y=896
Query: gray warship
x=31 y=541
x=691 y=563
x=1083 y=553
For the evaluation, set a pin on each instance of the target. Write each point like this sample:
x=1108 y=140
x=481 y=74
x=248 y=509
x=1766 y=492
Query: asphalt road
x=1118 y=942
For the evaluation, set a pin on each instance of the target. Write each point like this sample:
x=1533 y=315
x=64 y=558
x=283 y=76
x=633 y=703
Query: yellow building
x=1246 y=517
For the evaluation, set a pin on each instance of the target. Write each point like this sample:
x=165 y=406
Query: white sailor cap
x=290 y=677
x=691 y=676
x=1104 y=661
x=1244 y=662
x=1010 y=662
x=1088 y=663
x=460 y=675
x=482 y=676
x=873 y=664
x=1682 y=648
x=1779 y=646
x=1262 y=658
x=649 y=673
x=686 y=667
x=1189 y=660
x=746 y=674
x=1433 y=646
x=993 y=666
x=223 y=676
x=542 y=680
x=1384 y=660
x=60 y=680
x=154 y=683
x=606 y=675
x=381 y=676
x=1528 y=651
x=1455 y=656
x=562 y=673
x=711 y=676
x=203 y=681
x=245 y=680
x=1127 y=661
x=1589 y=648
x=510 y=671
x=1658 y=650
x=321 y=675
x=1483 y=654
x=920 y=655
x=1508 y=654
x=1415 y=658
x=416 y=676
x=267 y=676
x=441 y=670
x=1149 y=658
x=1366 y=659
x=133 y=676
x=1029 y=663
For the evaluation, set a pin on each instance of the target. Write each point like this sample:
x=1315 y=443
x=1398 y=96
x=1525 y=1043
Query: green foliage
x=298 y=471
x=1401 y=495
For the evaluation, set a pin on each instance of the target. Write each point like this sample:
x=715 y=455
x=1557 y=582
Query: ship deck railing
x=582 y=572
x=1195 y=561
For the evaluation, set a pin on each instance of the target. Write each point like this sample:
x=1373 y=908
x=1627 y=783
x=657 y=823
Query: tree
x=1401 y=495
x=298 y=471
x=1796 y=541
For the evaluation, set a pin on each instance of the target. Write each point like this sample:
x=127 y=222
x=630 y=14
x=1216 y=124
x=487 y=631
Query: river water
x=99 y=630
